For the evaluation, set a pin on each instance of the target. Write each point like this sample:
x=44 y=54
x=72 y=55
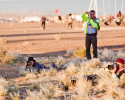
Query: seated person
x=32 y=64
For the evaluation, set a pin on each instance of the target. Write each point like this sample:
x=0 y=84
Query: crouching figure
x=114 y=71
x=31 y=64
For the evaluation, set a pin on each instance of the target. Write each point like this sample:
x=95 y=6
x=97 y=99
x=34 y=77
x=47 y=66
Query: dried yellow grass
x=3 y=40
x=57 y=36
x=71 y=68
x=3 y=85
x=81 y=52
x=30 y=75
x=14 y=96
x=26 y=30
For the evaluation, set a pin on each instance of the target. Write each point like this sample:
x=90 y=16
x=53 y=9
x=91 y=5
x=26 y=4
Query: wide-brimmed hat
x=119 y=60
x=31 y=59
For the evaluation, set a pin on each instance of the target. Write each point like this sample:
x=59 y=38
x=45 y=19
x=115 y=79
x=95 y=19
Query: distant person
x=70 y=20
x=91 y=29
x=59 y=19
x=120 y=16
x=43 y=22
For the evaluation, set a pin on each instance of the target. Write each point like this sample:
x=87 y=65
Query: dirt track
x=29 y=38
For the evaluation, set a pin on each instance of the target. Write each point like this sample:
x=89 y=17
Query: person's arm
x=25 y=64
x=41 y=20
x=84 y=17
x=95 y=24
x=122 y=16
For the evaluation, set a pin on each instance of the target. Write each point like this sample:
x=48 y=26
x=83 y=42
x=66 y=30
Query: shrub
x=3 y=85
x=60 y=60
x=13 y=88
x=7 y=57
x=14 y=96
x=31 y=75
x=70 y=52
x=34 y=86
x=22 y=71
x=3 y=40
x=34 y=95
x=76 y=61
x=81 y=52
x=71 y=68
x=120 y=54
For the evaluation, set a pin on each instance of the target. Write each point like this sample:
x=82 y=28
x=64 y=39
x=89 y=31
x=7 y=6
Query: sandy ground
x=29 y=38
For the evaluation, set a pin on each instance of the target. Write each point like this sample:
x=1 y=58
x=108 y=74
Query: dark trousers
x=70 y=24
x=93 y=78
x=91 y=39
x=43 y=25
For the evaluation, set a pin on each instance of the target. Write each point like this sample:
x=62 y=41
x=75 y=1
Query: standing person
x=59 y=19
x=43 y=22
x=70 y=20
x=91 y=29
x=120 y=16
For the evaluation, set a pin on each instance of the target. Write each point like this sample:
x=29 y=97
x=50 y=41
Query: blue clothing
x=39 y=66
x=90 y=28
x=36 y=66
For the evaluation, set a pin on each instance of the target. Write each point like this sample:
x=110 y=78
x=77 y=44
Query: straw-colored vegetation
x=70 y=52
x=81 y=52
x=3 y=85
x=8 y=57
x=69 y=83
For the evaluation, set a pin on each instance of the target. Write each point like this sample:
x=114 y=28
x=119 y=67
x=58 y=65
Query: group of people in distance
x=69 y=21
x=92 y=27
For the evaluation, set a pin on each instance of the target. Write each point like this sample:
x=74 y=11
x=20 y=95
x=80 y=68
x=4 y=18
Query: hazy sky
x=48 y=6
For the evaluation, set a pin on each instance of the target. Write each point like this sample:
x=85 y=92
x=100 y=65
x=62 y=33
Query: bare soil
x=30 y=39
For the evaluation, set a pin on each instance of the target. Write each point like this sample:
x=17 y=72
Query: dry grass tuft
x=22 y=71
x=60 y=60
x=81 y=52
x=71 y=68
x=26 y=43
x=3 y=41
x=13 y=88
x=70 y=52
x=26 y=30
x=3 y=85
x=8 y=57
x=57 y=36
x=77 y=61
x=15 y=96
x=34 y=95
x=30 y=75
